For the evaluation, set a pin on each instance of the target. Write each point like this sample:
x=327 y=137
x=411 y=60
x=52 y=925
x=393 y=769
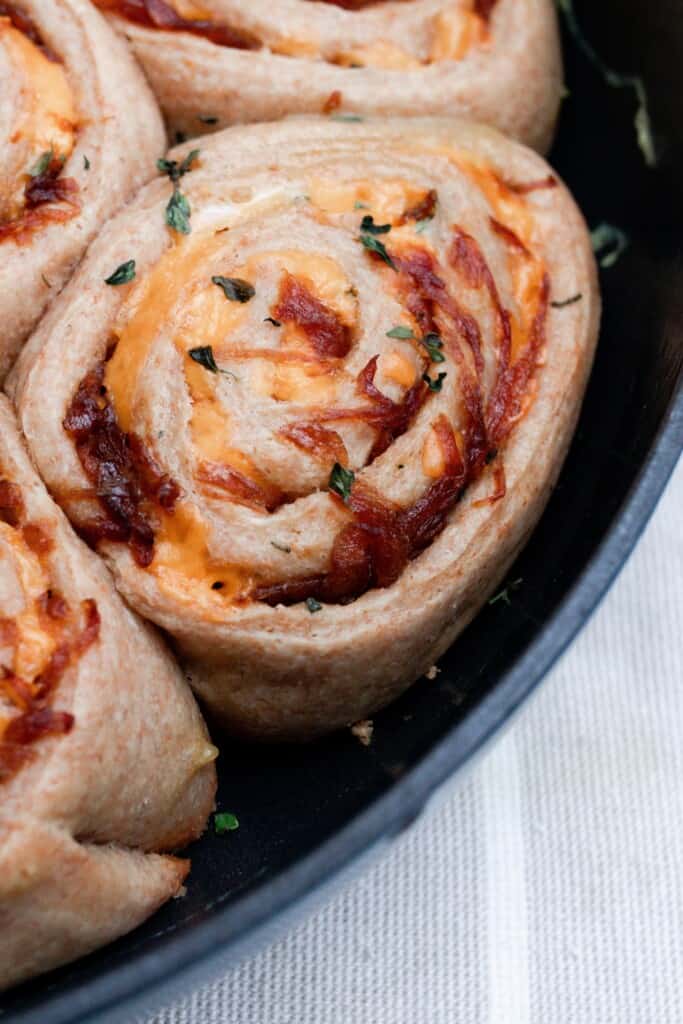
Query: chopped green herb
x=346 y=117
x=235 y=288
x=86 y=163
x=368 y=225
x=504 y=594
x=205 y=357
x=609 y=243
x=177 y=170
x=434 y=344
x=178 y=213
x=273 y=321
x=373 y=244
x=434 y=385
x=42 y=163
x=616 y=80
x=341 y=481
x=122 y=274
x=282 y=547
x=400 y=332
x=207 y=119
x=225 y=822
x=360 y=206
x=567 y=302
x=313 y=605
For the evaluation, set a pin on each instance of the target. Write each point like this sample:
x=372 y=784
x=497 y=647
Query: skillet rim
x=231 y=930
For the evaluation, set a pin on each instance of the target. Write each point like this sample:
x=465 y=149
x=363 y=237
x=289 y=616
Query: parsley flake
x=313 y=605
x=341 y=481
x=42 y=163
x=368 y=225
x=349 y=118
x=373 y=244
x=176 y=170
x=86 y=163
x=400 y=332
x=235 y=288
x=225 y=822
x=433 y=344
x=178 y=213
x=122 y=274
x=434 y=385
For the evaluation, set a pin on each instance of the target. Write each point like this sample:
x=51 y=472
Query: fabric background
x=547 y=888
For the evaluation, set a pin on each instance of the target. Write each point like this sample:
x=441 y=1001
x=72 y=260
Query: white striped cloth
x=547 y=888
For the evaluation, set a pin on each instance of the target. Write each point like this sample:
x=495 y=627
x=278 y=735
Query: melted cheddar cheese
x=48 y=120
x=34 y=644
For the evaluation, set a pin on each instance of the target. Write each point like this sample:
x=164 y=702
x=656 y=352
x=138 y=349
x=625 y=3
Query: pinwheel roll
x=316 y=419
x=104 y=759
x=217 y=62
x=80 y=132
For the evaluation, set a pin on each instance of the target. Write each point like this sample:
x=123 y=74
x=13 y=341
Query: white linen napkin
x=545 y=888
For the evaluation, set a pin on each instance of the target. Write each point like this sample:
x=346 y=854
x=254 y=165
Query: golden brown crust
x=289 y=670
x=317 y=58
x=85 y=811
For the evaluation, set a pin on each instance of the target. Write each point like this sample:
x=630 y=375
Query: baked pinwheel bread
x=79 y=134
x=213 y=63
x=321 y=402
x=104 y=758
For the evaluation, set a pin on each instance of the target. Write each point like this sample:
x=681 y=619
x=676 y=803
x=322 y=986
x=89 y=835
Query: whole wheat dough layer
x=118 y=138
x=285 y=202
x=86 y=814
x=511 y=78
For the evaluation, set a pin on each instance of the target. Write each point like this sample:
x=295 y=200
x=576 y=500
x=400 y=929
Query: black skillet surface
x=306 y=812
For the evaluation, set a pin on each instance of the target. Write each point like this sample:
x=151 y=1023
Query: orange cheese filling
x=34 y=644
x=48 y=120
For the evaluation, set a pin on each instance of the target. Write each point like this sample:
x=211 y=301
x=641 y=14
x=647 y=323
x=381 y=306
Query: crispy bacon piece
x=319 y=441
x=333 y=102
x=374 y=547
x=37 y=538
x=244 y=490
x=423 y=210
x=329 y=336
x=125 y=476
x=524 y=188
x=37 y=719
x=39 y=192
x=161 y=15
x=484 y=8
x=11 y=504
x=21 y=21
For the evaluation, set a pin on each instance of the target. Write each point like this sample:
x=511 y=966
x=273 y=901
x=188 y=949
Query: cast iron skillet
x=307 y=812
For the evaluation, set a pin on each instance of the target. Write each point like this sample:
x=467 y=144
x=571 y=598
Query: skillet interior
x=290 y=802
